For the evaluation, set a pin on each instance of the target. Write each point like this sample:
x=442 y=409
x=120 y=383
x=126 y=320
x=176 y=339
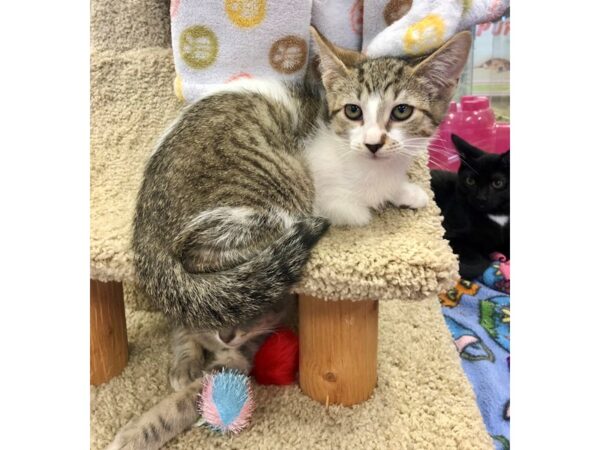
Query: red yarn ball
x=276 y=361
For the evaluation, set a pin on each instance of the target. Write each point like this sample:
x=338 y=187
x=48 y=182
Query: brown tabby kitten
x=382 y=113
x=223 y=224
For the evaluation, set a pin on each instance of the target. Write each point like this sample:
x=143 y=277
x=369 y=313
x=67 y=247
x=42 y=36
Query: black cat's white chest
x=499 y=219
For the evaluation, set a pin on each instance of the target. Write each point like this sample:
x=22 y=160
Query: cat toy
x=497 y=276
x=276 y=361
x=226 y=401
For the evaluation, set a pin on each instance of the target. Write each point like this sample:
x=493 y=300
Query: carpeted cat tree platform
x=393 y=359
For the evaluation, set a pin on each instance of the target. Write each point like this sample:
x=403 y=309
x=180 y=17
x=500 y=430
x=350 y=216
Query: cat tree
x=338 y=350
x=400 y=256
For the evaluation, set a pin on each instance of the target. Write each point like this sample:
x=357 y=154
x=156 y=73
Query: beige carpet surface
x=131 y=103
x=422 y=400
x=130 y=24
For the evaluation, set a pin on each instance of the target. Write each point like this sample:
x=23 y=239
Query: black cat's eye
x=498 y=184
x=470 y=181
x=353 y=112
x=401 y=112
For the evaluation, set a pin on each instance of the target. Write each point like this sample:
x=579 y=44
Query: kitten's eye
x=353 y=112
x=498 y=184
x=401 y=112
x=470 y=181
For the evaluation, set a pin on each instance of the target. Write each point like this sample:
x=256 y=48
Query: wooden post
x=108 y=332
x=338 y=350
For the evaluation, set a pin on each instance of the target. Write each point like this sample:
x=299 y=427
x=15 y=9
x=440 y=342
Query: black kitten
x=475 y=204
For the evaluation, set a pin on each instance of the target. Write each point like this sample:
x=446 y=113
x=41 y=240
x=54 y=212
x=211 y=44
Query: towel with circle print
x=218 y=41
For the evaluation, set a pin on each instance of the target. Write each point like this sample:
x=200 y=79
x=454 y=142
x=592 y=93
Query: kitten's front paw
x=230 y=360
x=184 y=372
x=127 y=438
x=412 y=196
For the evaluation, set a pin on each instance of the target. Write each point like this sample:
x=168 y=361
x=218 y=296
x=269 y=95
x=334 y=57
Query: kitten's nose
x=373 y=147
x=227 y=335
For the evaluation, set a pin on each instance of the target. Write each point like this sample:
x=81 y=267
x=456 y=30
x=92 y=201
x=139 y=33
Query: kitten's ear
x=442 y=69
x=466 y=150
x=334 y=61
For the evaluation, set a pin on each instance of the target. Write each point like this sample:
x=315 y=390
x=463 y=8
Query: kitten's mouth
x=479 y=206
x=376 y=157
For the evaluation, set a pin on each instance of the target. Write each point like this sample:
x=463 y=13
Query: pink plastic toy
x=474 y=121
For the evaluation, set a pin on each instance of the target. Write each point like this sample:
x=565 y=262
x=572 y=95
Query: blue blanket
x=479 y=320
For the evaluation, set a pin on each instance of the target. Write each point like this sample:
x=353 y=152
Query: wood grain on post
x=108 y=331
x=338 y=350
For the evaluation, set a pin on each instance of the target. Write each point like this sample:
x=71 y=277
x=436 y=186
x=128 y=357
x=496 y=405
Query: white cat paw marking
x=412 y=196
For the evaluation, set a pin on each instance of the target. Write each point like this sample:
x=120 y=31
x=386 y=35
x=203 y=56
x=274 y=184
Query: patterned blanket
x=478 y=316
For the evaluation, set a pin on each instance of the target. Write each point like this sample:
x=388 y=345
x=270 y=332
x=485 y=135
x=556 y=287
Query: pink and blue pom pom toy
x=226 y=401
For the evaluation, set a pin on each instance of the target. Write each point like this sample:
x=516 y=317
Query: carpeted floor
x=422 y=400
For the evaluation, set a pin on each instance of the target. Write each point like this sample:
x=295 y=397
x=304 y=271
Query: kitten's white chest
x=500 y=219
x=348 y=184
x=340 y=171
